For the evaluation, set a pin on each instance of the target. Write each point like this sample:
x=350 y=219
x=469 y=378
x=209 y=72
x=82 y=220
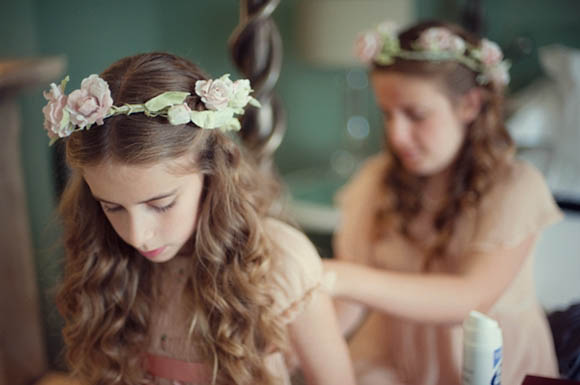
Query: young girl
x=175 y=270
x=444 y=221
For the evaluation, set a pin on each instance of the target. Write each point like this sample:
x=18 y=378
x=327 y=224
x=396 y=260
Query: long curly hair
x=486 y=145
x=108 y=289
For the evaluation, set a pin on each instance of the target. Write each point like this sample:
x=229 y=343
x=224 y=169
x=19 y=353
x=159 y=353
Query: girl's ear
x=469 y=105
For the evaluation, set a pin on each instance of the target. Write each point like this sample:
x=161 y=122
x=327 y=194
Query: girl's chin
x=422 y=167
x=413 y=165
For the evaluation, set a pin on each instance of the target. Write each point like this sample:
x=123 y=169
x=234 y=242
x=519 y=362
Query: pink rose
x=499 y=74
x=215 y=94
x=90 y=103
x=179 y=114
x=240 y=94
x=440 y=39
x=490 y=53
x=368 y=45
x=54 y=112
x=457 y=45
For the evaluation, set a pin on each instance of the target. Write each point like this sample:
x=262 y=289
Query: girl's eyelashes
x=164 y=208
x=412 y=113
x=416 y=114
x=111 y=209
x=159 y=209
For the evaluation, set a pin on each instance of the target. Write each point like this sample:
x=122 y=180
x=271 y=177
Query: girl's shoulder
x=297 y=272
x=364 y=181
x=290 y=246
x=518 y=204
x=357 y=201
x=371 y=169
x=518 y=180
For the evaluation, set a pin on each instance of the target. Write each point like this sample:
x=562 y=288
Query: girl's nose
x=398 y=132
x=139 y=232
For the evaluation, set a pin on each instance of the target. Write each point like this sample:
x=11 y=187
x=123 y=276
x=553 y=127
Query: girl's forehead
x=124 y=171
x=121 y=169
x=404 y=85
x=116 y=181
x=395 y=89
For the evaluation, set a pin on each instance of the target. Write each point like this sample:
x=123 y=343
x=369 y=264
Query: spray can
x=482 y=350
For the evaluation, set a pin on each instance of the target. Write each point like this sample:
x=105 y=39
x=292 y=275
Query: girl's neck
x=436 y=187
x=438 y=183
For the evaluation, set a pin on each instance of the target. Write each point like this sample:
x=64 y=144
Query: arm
x=433 y=297
x=318 y=343
x=350 y=314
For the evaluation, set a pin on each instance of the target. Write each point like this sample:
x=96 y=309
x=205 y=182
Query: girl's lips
x=409 y=156
x=152 y=253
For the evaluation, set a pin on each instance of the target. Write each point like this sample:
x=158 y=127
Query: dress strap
x=177 y=370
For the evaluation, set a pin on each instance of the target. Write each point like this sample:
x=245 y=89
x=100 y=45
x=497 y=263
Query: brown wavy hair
x=108 y=289
x=486 y=145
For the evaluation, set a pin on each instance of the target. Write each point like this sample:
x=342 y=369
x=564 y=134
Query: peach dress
x=296 y=277
x=390 y=350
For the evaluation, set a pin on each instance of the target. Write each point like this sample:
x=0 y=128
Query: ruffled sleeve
x=297 y=273
x=518 y=205
x=356 y=202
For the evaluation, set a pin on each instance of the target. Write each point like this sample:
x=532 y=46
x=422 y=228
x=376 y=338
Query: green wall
x=19 y=31
x=94 y=34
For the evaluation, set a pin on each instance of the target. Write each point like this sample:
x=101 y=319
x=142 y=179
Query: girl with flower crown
x=444 y=220
x=177 y=270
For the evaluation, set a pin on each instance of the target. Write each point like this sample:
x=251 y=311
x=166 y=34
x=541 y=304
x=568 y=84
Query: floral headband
x=382 y=46
x=224 y=99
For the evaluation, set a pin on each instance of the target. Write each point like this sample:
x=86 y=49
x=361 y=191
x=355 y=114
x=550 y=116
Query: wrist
x=341 y=271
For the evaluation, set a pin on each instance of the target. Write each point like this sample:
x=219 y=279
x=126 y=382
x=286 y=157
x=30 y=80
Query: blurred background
x=331 y=120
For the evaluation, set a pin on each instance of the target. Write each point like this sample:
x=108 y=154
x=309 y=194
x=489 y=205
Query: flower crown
x=381 y=45
x=92 y=103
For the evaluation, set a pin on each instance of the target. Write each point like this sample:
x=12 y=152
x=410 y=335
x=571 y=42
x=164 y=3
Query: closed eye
x=159 y=209
x=416 y=115
x=111 y=209
x=165 y=208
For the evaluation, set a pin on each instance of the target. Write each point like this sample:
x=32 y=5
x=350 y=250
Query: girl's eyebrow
x=162 y=196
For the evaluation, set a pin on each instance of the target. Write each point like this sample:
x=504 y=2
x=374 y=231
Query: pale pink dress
x=390 y=350
x=297 y=276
